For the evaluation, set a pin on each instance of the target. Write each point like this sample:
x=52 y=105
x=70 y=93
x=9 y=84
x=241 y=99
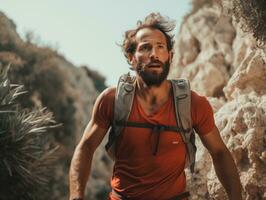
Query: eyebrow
x=146 y=42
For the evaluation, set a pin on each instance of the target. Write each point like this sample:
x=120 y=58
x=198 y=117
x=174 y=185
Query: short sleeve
x=103 y=108
x=202 y=114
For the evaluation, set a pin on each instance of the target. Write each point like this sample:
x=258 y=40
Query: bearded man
x=150 y=166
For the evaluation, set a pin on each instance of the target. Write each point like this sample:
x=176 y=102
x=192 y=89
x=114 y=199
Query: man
x=138 y=173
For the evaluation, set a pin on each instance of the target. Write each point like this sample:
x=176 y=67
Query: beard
x=153 y=78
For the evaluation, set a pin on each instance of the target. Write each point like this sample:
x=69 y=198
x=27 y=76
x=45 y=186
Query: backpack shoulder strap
x=182 y=101
x=123 y=103
x=182 y=95
x=124 y=97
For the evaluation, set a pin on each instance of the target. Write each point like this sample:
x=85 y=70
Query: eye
x=144 y=47
x=161 y=46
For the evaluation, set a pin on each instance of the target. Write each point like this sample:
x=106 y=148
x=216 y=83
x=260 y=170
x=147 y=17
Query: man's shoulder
x=199 y=102
x=196 y=97
x=110 y=91
x=106 y=96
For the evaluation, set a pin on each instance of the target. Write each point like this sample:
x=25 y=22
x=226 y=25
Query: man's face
x=151 y=59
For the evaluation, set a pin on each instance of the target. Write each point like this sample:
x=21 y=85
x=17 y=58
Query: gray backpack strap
x=123 y=103
x=182 y=95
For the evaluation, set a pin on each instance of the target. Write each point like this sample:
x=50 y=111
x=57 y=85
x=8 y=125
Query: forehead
x=150 y=35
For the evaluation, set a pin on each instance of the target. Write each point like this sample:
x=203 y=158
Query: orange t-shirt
x=137 y=173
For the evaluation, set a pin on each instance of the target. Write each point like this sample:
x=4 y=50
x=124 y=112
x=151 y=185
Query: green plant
x=26 y=155
x=252 y=16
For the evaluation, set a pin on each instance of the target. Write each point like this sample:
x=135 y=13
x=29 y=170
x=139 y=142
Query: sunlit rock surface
x=225 y=64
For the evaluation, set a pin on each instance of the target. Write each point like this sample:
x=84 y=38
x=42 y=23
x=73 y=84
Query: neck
x=153 y=95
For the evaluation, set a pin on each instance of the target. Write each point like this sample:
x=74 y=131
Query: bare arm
x=81 y=161
x=91 y=139
x=223 y=163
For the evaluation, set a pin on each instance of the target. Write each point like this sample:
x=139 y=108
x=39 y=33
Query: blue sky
x=86 y=32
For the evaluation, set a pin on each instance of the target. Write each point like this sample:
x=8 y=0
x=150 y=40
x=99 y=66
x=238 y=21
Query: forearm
x=227 y=174
x=79 y=171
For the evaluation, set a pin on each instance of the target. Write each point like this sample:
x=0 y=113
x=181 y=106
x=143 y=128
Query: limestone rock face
x=225 y=64
x=67 y=91
x=242 y=125
x=204 y=51
x=249 y=76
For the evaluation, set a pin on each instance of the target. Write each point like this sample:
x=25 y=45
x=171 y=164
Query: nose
x=154 y=54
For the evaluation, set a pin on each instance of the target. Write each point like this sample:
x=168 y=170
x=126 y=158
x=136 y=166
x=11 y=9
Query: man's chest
x=140 y=141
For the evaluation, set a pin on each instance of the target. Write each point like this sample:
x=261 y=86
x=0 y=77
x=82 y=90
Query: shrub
x=26 y=155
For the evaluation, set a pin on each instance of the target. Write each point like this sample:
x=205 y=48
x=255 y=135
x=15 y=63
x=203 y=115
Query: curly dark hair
x=153 y=21
x=252 y=16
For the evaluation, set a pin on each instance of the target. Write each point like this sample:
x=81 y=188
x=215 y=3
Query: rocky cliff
x=225 y=60
x=67 y=91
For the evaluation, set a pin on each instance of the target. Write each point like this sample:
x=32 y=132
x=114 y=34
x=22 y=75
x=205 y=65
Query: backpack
x=123 y=103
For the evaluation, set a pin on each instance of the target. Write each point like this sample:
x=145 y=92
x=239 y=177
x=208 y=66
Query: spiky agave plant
x=26 y=155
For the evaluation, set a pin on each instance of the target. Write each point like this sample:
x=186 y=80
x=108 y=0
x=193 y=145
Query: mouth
x=154 y=65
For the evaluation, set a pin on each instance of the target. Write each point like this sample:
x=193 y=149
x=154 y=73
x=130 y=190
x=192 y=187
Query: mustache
x=155 y=62
x=142 y=67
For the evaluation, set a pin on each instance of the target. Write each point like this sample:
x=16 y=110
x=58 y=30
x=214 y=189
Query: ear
x=171 y=54
x=131 y=59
